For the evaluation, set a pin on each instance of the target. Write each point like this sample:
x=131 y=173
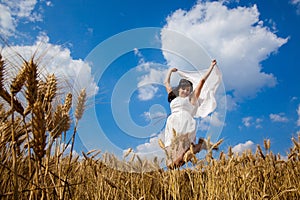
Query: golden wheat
x=39 y=130
x=68 y=103
x=31 y=83
x=18 y=81
x=51 y=88
x=80 y=105
x=259 y=175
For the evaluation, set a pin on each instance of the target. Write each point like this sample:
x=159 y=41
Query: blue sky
x=109 y=48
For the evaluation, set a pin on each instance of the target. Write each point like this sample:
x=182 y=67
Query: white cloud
x=72 y=73
x=21 y=8
x=147 y=92
x=215 y=119
x=203 y=124
x=297 y=4
x=151 y=148
x=298 y=112
x=12 y=11
x=250 y=121
x=49 y=3
x=230 y=103
x=151 y=116
x=239 y=148
x=247 y=121
x=153 y=75
x=7 y=24
x=139 y=55
x=258 y=122
x=234 y=36
x=278 y=117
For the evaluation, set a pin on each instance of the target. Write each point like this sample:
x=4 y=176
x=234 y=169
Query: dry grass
x=31 y=126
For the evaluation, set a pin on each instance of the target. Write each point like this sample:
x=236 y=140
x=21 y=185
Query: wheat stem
x=14 y=164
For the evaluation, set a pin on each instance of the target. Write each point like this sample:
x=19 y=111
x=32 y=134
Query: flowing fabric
x=207 y=102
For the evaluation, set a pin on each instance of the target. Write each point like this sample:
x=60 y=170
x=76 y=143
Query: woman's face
x=184 y=91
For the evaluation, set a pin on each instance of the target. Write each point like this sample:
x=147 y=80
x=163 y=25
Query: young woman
x=180 y=130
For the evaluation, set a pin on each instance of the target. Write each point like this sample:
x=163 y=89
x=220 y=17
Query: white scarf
x=207 y=101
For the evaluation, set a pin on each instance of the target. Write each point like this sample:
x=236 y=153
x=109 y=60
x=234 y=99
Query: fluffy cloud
x=154 y=74
x=20 y=8
x=12 y=11
x=7 y=24
x=250 y=121
x=214 y=120
x=147 y=89
x=73 y=74
x=247 y=121
x=151 y=148
x=234 y=36
x=151 y=116
x=231 y=104
x=239 y=148
x=139 y=55
x=278 y=117
x=147 y=92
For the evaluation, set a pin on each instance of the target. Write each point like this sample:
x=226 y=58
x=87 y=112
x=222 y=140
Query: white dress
x=181 y=120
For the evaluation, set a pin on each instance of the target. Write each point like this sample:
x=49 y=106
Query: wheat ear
x=39 y=130
x=31 y=92
x=18 y=81
x=68 y=103
x=51 y=88
x=80 y=105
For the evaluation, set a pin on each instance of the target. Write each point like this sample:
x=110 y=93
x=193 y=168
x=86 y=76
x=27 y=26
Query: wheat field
x=35 y=116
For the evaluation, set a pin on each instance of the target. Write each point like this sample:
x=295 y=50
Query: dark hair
x=183 y=83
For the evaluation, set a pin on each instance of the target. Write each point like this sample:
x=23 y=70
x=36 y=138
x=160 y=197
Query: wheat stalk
x=14 y=154
x=51 y=88
x=68 y=103
x=267 y=144
x=31 y=92
x=161 y=144
x=18 y=81
x=2 y=65
x=129 y=150
x=80 y=105
x=78 y=115
x=39 y=130
x=216 y=145
x=59 y=123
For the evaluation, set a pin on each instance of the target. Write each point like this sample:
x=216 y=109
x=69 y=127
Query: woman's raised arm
x=199 y=87
x=167 y=80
